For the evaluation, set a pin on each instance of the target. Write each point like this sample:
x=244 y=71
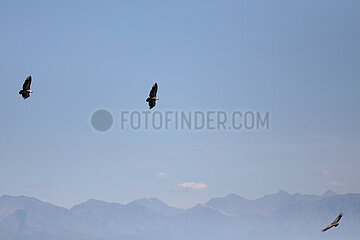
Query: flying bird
x=25 y=92
x=335 y=223
x=152 y=96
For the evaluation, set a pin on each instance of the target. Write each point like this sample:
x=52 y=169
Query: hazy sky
x=299 y=60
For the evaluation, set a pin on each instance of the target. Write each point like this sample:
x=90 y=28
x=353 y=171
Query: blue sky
x=299 y=60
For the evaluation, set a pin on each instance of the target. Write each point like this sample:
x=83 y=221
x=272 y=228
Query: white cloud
x=162 y=175
x=190 y=186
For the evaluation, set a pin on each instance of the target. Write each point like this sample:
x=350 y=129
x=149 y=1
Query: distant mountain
x=329 y=193
x=29 y=218
x=9 y=204
x=275 y=216
x=158 y=206
x=113 y=219
x=313 y=214
x=236 y=205
x=232 y=204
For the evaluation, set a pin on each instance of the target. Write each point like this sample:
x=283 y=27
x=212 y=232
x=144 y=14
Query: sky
x=298 y=60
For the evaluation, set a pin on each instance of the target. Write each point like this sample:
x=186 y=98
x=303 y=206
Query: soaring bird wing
x=27 y=83
x=338 y=218
x=152 y=104
x=153 y=91
x=327 y=228
x=25 y=95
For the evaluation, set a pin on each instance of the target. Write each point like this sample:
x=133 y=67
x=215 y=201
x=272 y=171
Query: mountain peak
x=5 y=196
x=93 y=203
x=20 y=198
x=329 y=193
x=231 y=198
x=149 y=200
x=282 y=192
x=279 y=194
x=156 y=205
x=234 y=196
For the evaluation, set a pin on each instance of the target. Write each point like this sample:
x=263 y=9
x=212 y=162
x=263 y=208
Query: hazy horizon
x=276 y=216
x=203 y=203
x=182 y=207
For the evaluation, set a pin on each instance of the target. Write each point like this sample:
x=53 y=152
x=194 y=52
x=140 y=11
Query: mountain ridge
x=281 y=215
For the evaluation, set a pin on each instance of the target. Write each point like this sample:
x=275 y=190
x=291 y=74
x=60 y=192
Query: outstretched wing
x=27 y=83
x=338 y=218
x=153 y=90
x=327 y=228
x=152 y=104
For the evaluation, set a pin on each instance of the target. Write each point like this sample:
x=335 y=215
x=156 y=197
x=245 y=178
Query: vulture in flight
x=335 y=223
x=152 y=96
x=25 y=92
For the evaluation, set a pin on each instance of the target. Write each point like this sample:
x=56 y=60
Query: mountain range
x=276 y=216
